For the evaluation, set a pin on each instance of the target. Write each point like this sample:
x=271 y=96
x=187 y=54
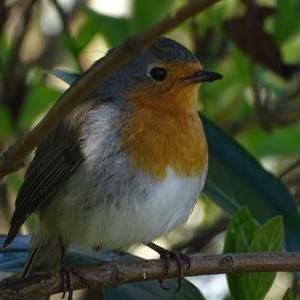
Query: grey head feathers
x=170 y=51
x=162 y=50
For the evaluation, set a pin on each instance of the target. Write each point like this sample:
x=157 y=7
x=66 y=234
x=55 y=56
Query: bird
x=125 y=167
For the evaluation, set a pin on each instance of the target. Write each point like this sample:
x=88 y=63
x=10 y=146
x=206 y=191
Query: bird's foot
x=180 y=258
x=66 y=273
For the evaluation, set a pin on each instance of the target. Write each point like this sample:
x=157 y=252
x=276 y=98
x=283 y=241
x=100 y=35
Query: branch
x=14 y=55
x=12 y=159
x=67 y=34
x=116 y=273
x=203 y=236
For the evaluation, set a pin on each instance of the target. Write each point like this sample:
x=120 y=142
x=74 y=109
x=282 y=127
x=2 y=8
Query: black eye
x=158 y=74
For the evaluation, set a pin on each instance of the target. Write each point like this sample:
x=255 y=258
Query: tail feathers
x=45 y=258
x=13 y=231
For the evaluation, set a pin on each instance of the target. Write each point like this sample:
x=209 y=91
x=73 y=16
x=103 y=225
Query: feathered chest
x=156 y=140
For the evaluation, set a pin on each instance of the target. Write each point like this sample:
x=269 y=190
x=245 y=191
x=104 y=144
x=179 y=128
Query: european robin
x=126 y=166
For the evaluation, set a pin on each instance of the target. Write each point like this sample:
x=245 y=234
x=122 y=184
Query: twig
x=67 y=34
x=203 y=236
x=290 y=168
x=12 y=158
x=116 y=273
x=14 y=56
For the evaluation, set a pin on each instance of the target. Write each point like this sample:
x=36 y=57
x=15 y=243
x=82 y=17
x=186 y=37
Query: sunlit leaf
x=245 y=235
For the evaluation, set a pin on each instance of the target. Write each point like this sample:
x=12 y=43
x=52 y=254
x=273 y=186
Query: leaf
x=239 y=236
x=148 y=12
x=245 y=235
x=236 y=179
x=255 y=41
x=284 y=25
x=288 y=295
x=69 y=44
x=13 y=260
x=85 y=34
x=5 y=122
x=67 y=77
x=38 y=100
x=281 y=141
x=240 y=232
x=152 y=290
x=268 y=238
x=114 y=30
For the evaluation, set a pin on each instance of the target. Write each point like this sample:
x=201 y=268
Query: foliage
x=245 y=235
x=257 y=49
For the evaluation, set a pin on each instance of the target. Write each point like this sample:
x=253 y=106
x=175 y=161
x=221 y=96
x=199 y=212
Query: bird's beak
x=204 y=76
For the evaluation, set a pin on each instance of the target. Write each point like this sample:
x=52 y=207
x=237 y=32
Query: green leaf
x=239 y=236
x=114 y=30
x=268 y=237
x=5 y=122
x=240 y=232
x=245 y=235
x=85 y=34
x=148 y=12
x=151 y=291
x=69 y=44
x=281 y=141
x=236 y=179
x=13 y=260
x=288 y=295
x=284 y=25
x=38 y=100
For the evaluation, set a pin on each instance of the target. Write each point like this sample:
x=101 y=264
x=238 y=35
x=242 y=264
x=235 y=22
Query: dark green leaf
x=86 y=33
x=151 y=290
x=70 y=45
x=38 y=100
x=284 y=25
x=236 y=179
x=5 y=122
x=288 y=295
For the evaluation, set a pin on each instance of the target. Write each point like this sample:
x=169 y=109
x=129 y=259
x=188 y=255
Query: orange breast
x=155 y=139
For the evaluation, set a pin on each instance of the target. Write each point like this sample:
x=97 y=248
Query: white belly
x=165 y=205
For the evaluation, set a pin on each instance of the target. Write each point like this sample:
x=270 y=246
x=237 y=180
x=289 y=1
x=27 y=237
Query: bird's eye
x=158 y=74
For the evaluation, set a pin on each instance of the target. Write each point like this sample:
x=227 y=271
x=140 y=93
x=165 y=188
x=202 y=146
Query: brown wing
x=54 y=162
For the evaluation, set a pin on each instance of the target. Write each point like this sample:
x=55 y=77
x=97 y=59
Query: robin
x=126 y=166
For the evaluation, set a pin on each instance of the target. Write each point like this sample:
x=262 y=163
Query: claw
x=161 y=284
x=66 y=277
x=180 y=259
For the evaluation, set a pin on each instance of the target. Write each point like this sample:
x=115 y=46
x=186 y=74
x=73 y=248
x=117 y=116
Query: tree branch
x=11 y=160
x=116 y=273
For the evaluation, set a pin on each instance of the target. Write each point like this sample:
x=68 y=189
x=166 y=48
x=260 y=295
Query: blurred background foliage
x=254 y=44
